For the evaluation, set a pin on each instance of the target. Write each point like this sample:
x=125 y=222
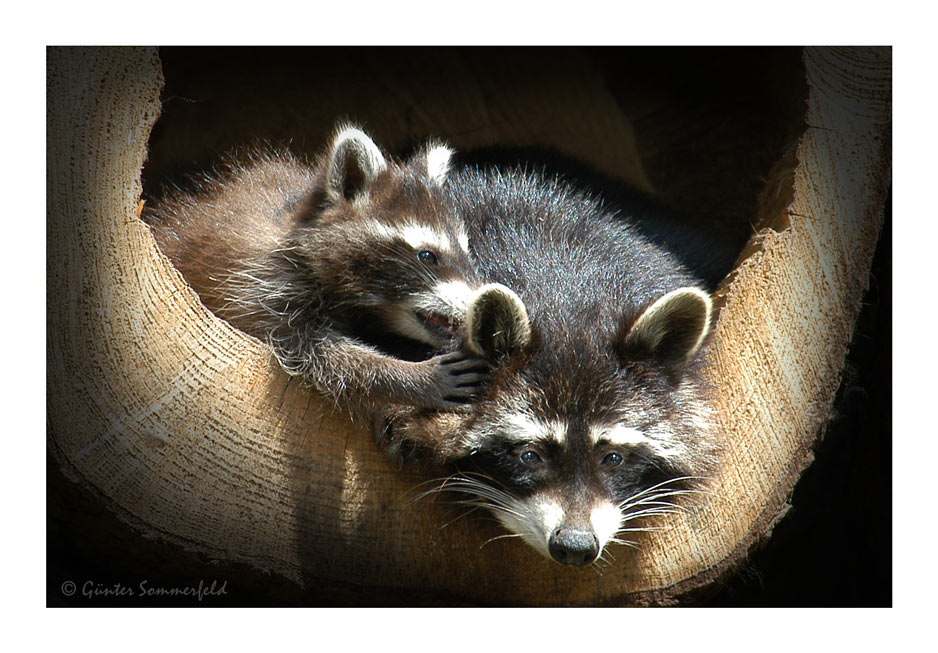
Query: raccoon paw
x=400 y=451
x=457 y=379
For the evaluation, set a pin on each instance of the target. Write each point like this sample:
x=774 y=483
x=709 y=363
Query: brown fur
x=236 y=216
x=320 y=262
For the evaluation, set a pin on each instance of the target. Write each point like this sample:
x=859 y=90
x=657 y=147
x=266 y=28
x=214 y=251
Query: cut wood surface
x=189 y=431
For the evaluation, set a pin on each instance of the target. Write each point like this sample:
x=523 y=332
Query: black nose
x=573 y=546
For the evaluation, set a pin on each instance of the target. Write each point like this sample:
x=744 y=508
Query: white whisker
x=628 y=543
x=499 y=537
x=453 y=521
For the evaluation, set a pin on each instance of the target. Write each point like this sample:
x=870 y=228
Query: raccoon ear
x=672 y=329
x=496 y=321
x=354 y=162
x=437 y=160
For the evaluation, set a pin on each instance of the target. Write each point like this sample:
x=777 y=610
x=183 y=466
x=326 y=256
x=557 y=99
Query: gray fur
x=617 y=339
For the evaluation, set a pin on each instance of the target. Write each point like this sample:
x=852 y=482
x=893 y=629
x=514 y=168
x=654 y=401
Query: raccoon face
x=435 y=279
x=387 y=244
x=569 y=489
x=571 y=457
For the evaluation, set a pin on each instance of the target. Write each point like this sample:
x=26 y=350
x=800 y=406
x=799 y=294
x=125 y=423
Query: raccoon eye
x=613 y=458
x=529 y=457
x=426 y=256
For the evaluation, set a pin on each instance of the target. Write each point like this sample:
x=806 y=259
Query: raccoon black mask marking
x=355 y=270
x=595 y=416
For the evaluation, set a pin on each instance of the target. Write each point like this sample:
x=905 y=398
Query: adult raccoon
x=596 y=415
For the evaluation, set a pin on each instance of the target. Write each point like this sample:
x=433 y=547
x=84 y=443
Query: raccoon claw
x=458 y=362
x=461 y=393
x=473 y=379
x=459 y=378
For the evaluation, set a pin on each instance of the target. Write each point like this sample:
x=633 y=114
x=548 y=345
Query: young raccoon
x=595 y=416
x=355 y=270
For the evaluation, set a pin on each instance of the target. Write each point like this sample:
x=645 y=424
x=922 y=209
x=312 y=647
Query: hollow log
x=189 y=432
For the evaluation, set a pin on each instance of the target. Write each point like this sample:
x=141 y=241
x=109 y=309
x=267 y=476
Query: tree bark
x=188 y=430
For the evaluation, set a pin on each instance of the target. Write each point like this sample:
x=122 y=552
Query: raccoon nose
x=573 y=546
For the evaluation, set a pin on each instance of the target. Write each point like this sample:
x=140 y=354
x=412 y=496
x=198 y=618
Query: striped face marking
x=522 y=427
x=624 y=436
x=627 y=436
x=379 y=230
x=417 y=236
x=421 y=236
